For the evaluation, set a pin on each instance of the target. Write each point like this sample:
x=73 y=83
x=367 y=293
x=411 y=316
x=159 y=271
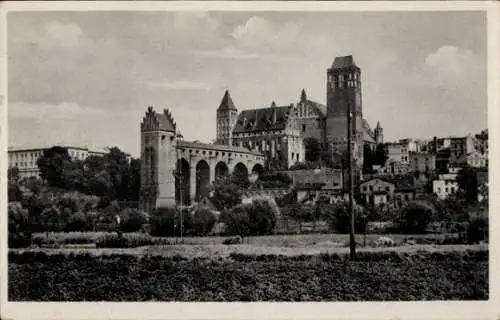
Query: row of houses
x=409 y=155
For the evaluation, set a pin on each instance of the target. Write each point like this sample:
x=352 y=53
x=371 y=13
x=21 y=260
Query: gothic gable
x=153 y=121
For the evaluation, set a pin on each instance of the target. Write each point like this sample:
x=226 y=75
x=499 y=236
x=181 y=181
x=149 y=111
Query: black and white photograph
x=248 y=155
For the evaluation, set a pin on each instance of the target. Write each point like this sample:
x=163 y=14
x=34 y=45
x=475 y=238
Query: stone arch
x=221 y=170
x=182 y=182
x=258 y=169
x=240 y=175
x=202 y=179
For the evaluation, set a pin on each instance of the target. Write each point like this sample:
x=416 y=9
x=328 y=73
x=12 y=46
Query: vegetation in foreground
x=381 y=276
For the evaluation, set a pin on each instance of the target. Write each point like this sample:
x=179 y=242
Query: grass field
x=217 y=251
x=273 y=240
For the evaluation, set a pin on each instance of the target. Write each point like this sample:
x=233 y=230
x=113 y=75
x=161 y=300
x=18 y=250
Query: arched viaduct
x=199 y=164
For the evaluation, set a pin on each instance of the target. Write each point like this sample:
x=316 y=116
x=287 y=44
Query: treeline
x=111 y=176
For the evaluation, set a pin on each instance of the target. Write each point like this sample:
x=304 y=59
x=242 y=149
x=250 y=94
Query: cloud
x=449 y=65
x=194 y=20
x=62 y=111
x=257 y=31
x=51 y=35
x=230 y=52
x=183 y=84
x=64 y=34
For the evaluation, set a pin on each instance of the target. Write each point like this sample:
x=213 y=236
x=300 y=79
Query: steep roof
x=318 y=108
x=344 y=62
x=158 y=121
x=227 y=102
x=273 y=118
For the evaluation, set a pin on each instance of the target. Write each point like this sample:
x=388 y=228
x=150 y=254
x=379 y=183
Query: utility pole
x=178 y=175
x=352 y=238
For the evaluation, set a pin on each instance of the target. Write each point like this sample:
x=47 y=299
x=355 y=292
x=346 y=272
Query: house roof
x=272 y=118
x=227 y=102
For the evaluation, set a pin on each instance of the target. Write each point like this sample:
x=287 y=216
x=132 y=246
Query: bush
x=78 y=222
x=415 y=217
x=203 y=222
x=115 y=241
x=132 y=220
x=339 y=219
x=256 y=218
x=165 y=222
x=478 y=230
x=19 y=226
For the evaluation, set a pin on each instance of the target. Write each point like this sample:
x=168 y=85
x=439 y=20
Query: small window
x=303 y=127
x=163 y=137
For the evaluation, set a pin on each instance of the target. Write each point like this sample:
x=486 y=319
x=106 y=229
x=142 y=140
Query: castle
x=278 y=131
x=175 y=171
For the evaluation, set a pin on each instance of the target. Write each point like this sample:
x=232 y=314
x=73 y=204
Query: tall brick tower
x=227 y=115
x=158 y=160
x=343 y=88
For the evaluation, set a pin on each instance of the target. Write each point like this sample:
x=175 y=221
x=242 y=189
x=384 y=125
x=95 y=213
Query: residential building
x=377 y=191
x=444 y=187
x=398 y=151
x=424 y=162
x=393 y=167
x=477 y=160
x=481 y=142
x=461 y=146
x=25 y=159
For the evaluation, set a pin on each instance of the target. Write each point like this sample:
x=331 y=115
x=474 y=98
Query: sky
x=87 y=78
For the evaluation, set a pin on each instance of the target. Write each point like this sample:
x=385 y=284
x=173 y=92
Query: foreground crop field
x=375 y=276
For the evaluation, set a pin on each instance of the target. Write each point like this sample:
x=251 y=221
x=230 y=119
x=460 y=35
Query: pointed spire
x=378 y=127
x=303 y=96
x=227 y=102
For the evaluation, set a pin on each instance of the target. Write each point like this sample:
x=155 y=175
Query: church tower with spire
x=379 y=134
x=227 y=115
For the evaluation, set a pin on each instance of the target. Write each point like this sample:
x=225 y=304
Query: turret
x=227 y=115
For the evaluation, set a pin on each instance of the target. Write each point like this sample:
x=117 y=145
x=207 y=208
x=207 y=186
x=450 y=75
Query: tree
x=237 y=221
x=256 y=218
x=78 y=222
x=14 y=192
x=312 y=149
x=203 y=222
x=117 y=166
x=339 y=219
x=380 y=155
x=132 y=220
x=225 y=194
x=165 y=222
x=52 y=165
x=415 y=217
x=478 y=230
x=467 y=182
x=134 y=183
x=19 y=226
x=51 y=219
x=13 y=174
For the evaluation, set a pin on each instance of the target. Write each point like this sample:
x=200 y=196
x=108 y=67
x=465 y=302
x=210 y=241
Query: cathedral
x=278 y=131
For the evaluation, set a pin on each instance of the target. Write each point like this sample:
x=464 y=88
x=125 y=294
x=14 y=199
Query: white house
x=444 y=187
